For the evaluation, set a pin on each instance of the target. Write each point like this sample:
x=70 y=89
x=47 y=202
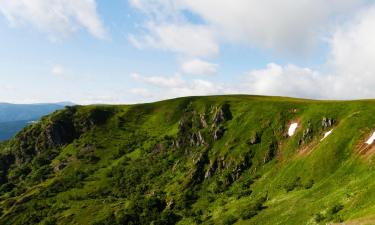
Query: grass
x=123 y=165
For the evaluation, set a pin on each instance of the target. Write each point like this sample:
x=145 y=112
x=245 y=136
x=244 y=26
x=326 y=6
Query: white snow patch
x=326 y=135
x=292 y=129
x=371 y=139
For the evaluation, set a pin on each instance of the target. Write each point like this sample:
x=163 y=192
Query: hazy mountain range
x=13 y=117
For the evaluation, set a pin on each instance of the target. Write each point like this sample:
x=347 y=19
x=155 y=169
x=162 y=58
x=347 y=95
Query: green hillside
x=196 y=160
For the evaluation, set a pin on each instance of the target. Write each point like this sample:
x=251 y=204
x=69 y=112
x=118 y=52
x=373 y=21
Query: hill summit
x=195 y=160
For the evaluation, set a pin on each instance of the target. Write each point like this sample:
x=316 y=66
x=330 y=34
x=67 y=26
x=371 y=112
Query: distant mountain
x=9 y=129
x=14 y=117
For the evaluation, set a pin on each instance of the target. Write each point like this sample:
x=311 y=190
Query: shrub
x=336 y=208
x=319 y=217
x=253 y=208
x=309 y=184
x=229 y=220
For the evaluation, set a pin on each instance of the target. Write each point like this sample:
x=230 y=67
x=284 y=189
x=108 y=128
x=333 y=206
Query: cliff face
x=203 y=160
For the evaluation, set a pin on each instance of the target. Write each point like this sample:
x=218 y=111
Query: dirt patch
x=307 y=149
x=365 y=149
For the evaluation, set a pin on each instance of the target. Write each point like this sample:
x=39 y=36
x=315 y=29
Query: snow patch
x=371 y=139
x=292 y=129
x=326 y=135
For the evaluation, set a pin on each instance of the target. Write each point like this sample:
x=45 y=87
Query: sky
x=132 y=51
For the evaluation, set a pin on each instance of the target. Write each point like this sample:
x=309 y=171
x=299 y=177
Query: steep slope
x=197 y=160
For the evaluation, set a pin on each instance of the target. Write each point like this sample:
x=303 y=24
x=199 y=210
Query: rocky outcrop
x=193 y=126
x=196 y=139
x=307 y=135
x=56 y=131
x=202 y=120
x=221 y=114
x=218 y=133
x=57 y=134
x=196 y=174
x=211 y=169
x=254 y=139
x=60 y=166
x=327 y=122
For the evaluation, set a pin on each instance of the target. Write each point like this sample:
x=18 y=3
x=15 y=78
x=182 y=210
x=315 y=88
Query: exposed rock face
x=211 y=169
x=58 y=133
x=221 y=115
x=196 y=139
x=218 y=133
x=203 y=121
x=327 y=122
x=192 y=127
x=60 y=166
x=196 y=174
x=255 y=139
x=53 y=133
x=307 y=135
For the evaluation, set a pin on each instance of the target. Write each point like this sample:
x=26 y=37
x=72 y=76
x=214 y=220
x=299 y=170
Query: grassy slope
x=114 y=165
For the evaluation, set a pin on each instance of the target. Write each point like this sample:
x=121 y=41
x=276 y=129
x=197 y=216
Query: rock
x=60 y=166
x=218 y=133
x=307 y=135
x=196 y=139
x=203 y=122
x=327 y=122
x=170 y=204
x=222 y=114
x=175 y=166
x=196 y=174
x=255 y=139
x=58 y=134
x=211 y=170
x=184 y=125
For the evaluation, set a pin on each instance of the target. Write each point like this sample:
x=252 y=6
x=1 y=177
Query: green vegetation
x=196 y=160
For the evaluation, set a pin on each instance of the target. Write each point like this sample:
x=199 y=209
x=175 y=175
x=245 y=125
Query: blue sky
x=129 y=51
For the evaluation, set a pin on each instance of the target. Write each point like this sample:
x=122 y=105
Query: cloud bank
x=55 y=17
x=285 y=27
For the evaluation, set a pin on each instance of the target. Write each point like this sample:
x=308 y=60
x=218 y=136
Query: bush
x=309 y=184
x=293 y=185
x=253 y=208
x=229 y=220
x=336 y=208
x=319 y=217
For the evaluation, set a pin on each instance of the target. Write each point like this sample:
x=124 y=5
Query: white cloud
x=289 y=80
x=352 y=57
x=170 y=87
x=143 y=92
x=160 y=81
x=289 y=26
x=350 y=74
x=187 y=39
x=199 y=67
x=57 y=70
x=55 y=17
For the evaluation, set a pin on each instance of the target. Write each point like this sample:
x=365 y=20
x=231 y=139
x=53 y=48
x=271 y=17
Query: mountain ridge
x=193 y=160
